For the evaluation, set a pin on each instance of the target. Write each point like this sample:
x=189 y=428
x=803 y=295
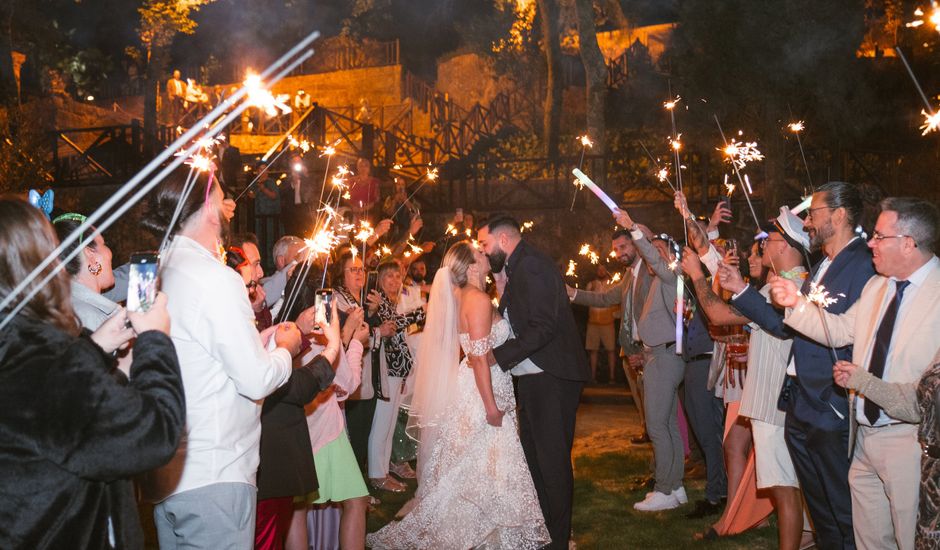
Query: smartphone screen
x=372 y=281
x=323 y=301
x=142 y=281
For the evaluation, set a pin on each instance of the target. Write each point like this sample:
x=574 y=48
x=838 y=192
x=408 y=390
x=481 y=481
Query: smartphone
x=731 y=247
x=142 y=281
x=372 y=282
x=324 y=299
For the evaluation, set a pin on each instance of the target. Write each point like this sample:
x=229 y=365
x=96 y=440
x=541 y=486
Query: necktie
x=879 y=353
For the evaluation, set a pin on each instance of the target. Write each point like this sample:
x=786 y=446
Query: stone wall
x=469 y=79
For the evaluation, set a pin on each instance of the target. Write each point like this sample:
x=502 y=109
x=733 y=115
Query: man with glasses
x=894 y=327
x=817 y=410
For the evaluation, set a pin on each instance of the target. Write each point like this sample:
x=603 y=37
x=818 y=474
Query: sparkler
x=586 y=251
x=737 y=172
x=615 y=279
x=153 y=165
x=526 y=226
x=931 y=118
x=430 y=174
x=819 y=296
x=585 y=143
x=676 y=144
x=933 y=19
x=662 y=173
x=572 y=269
x=797 y=128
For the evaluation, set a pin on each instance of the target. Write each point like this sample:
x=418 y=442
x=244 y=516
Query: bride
x=475 y=490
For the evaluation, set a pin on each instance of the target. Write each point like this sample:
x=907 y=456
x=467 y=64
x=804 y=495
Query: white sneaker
x=656 y=502
x=681 y=496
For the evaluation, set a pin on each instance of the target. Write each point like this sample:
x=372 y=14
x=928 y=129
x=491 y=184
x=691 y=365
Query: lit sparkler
x=572 y=269
x=586 y=141
x=615 y=279
x=931 y=122
x=263 y=99
x=527 y=226
x=819 y=296
x=729 y=187
x=798 y=127
x=933 y=18
x=740 y=154
x=586 y=251
x=671 y=104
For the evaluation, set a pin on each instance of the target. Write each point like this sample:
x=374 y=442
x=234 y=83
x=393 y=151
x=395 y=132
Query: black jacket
x=286 y=465
x=541 y=318
x=73 y=435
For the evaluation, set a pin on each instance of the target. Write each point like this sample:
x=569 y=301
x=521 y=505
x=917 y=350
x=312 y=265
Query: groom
x=549 y=362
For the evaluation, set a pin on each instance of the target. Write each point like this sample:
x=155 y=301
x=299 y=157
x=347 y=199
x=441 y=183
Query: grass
x=605 y=467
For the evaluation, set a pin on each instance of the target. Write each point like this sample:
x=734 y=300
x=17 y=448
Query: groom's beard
x=497 y=260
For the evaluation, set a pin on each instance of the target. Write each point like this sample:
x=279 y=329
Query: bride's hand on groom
x=495 y=418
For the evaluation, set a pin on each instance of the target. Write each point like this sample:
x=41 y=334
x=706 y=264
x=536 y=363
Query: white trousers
x=383 y=428
x=885 y=481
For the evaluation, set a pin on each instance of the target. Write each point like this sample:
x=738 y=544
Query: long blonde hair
x=26 y=239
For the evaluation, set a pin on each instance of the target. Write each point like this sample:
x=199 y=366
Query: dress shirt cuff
x=713 y=234
x=737 y=295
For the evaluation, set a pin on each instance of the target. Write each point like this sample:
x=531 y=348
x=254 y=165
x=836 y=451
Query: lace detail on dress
x=477 y=491
x=498 y=334
x=476 y=348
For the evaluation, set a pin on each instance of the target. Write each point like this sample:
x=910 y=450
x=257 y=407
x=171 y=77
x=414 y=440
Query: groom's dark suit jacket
x=541 y=318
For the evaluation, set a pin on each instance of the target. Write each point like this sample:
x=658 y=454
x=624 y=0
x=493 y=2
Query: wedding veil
x=436 y=367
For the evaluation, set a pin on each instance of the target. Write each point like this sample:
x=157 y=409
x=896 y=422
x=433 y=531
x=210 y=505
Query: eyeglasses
x=878 y=237
x=355 y=270
x=809 y=213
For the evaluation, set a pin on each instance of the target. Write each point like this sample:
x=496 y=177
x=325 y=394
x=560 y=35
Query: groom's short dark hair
x=503 y=221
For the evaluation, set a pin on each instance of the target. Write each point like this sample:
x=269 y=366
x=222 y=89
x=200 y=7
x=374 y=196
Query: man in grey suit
x=621 y=294
x=653 y=308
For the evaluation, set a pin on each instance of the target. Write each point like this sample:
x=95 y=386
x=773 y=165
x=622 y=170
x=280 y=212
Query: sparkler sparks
x=671 y=104
x=739 y=154
x=663 y=174
x=262 y=98
x=200 y=163
x=931 y=122
x=527 y=226
x=820 y=296
x=673 y=265
x=676 y=143
x=451 y=230
x=586 y=141
x=586 y=251
x=572 y=269
x=615 y=279
x=796 y=127
x=933 y=19
x=729 y=187
x=431 y=174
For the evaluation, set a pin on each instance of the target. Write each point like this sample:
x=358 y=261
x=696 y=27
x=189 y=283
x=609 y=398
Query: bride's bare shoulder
x=475 y=299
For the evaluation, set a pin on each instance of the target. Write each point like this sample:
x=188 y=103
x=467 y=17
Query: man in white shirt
x=208 y=498
x=894 y=327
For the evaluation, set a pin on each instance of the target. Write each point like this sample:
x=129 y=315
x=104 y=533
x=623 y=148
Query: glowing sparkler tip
x=931 y=122
x=572 y=269
x=527 y=226
x=820 y=296
x=671 y=104
x=431 y=174
x=796 y=127
x=586 y=141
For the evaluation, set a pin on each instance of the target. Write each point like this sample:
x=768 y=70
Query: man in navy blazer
x=817 y=424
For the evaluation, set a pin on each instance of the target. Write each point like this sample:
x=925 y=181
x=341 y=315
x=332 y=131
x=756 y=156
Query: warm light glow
x=933 y=18
x=931 y=122
x=739 y=154
x=431 y=174
x=671 y=104
x=262 y=98
x=572 y=269
x=586 y=141
x=527 y=226
x=796 y=127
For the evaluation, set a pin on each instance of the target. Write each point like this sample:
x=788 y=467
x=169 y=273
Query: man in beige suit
x=894 y=327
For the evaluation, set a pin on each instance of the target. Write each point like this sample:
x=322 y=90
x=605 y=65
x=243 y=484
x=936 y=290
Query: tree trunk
x=595 y=70
x=551 y=109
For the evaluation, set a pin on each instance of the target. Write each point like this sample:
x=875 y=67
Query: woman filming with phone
x=72 y=432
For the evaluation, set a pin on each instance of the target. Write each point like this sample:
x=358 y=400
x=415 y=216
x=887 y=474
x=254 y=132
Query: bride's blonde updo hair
x=458 y=259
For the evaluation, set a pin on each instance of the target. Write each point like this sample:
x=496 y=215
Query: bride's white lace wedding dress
x=477 y=492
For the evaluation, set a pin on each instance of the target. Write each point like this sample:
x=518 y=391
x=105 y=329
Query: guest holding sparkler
x=206 y=495
x=663 y=370
x=817 y=425
x=893 y=327
x=363 y=189
x=783 y=250
x=73 y=434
